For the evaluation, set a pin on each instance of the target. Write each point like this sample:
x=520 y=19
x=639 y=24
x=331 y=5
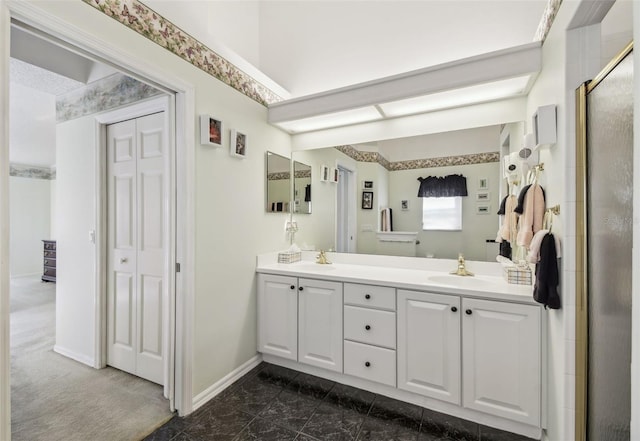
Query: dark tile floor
x=272 y=403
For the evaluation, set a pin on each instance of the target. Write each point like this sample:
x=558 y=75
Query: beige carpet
x=55 y=398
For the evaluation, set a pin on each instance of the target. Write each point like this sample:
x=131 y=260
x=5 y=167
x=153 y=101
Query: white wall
x=76 y=255
x=30 y=210
x=635 y=341
x=232 y=226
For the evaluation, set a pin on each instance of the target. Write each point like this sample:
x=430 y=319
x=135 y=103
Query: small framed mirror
x=301 y=188
x=278 y=173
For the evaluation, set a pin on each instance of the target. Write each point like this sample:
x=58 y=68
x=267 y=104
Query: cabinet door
x=320 y=323
x=429 y=344
x=278 y=316
x=501 y=352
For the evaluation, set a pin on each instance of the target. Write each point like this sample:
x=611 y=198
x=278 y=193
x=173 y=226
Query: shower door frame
x=582 y=313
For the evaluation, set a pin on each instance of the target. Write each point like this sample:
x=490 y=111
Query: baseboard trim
x=226 y=381
x=74 y=356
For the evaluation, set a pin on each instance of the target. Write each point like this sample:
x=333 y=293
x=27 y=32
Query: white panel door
x=137 y=211
x=278 y=315
x=501 y=352
x=429 y=344
x=320 y=323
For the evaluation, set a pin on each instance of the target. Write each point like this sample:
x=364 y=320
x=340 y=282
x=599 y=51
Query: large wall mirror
x=278 y=176
x=385 y=174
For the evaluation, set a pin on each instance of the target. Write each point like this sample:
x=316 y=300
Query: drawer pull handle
x=468 y=312
x=293 y=287
x=367 y=327
x=367 y=364
x=300 y=289
x=454 y=309
x=124 y=260
x=367 y=296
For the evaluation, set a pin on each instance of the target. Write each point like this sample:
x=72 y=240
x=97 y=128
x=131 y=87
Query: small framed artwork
x=334 y=176
x=210 y=131
x=367 y=185
x=483 y=183
x=325 y=173
x=238 y=144
x=482 y=209
x=483 y=196
x=367 y=200
x=404 y=204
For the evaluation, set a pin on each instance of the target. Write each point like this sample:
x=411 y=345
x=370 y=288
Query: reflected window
x=442 y=213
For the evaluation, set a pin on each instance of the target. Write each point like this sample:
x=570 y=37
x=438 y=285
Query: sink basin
x=468 y=282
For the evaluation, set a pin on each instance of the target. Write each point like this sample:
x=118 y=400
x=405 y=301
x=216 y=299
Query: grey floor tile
x=397 y=412
x=290 y=410
x=223 y=423
x=440 y=424
x=251 y=396
x=263 y=430
x=334 y=423
x=168 y=431
x=275 y=375
x=310 y=385
x=375 y=429
x=305 y=437
x=491 y=434
x=350 y=398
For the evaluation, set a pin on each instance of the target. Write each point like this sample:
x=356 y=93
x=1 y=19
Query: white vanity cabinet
x=320 y=323
x=429 y=344
x=370 y=332
x=278 y=315
x=501 y=349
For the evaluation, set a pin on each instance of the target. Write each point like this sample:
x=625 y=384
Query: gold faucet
x=322 y=258
x=462 y=270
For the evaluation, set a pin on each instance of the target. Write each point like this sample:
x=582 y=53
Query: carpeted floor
x=55 y=398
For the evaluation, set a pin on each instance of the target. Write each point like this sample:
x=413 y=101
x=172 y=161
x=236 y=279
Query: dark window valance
x=442 y=186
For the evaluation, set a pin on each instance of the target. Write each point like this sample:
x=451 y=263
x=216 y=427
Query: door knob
x=367 y=364
x=468 y=312
x=300 y=289
x=454 y=309
x=367 y=327
x=293 y=287
x=367 y=296
x=123 y=260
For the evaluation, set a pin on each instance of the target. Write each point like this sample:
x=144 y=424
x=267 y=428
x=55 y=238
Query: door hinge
x=177 y=267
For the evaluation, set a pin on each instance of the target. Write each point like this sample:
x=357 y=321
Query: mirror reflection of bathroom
x=301 y=188
x=278 y=176
x=400 y=222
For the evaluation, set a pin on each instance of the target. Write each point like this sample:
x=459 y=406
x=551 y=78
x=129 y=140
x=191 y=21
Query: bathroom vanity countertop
x=480 y=286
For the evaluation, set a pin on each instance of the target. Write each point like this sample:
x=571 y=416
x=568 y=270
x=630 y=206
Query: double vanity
x=472 y=347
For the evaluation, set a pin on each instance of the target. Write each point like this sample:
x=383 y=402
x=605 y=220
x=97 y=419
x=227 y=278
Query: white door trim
x=184 y=131
x=5 y=358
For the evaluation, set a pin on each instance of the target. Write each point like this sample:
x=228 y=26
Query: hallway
x=56 y=398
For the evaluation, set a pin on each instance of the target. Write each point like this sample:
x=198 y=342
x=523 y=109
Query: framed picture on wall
x=367 y=200
x=482 y=209
x=367 y=185
x=404 y=204
x=483 y=183
x=238 y=144
x=325 y=173
x=483 y=196
x=210 y=131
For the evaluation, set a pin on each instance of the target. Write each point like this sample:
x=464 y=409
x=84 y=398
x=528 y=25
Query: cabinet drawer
x=370 y=362
x=382 y=297
x=50 y=262
x=50 y=254
x=49 y=245
x=370 y=326
x=49 y=272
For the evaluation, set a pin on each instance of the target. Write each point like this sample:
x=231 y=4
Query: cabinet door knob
x=468 y=312
x=293 y=287
x=300 y=289
x=367 y=296
x=367 y=327
x=123 y=260
x=367 y=364
x=454 y=309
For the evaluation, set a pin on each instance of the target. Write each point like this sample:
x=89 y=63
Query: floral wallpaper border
x=444 y=161
x=161 y=31
x=108 y=93
x=548 y=16
x=286 y=175
x=32 y=171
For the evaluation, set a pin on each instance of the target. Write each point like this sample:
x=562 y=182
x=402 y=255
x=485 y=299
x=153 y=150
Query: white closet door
x=137 y=214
